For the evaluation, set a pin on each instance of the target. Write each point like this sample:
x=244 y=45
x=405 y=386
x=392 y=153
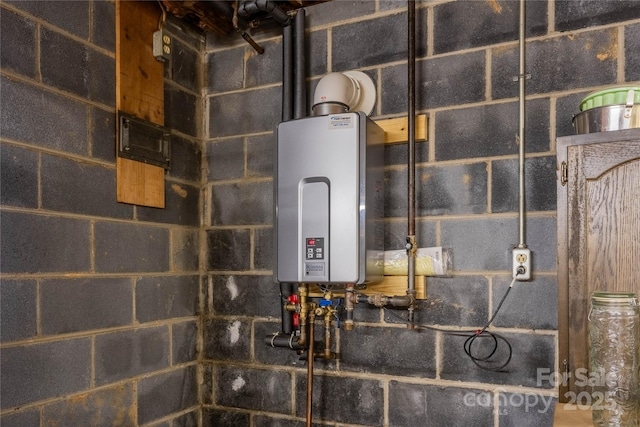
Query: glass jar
x=614 y=359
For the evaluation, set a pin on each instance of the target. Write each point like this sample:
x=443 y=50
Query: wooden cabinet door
x=598 y=235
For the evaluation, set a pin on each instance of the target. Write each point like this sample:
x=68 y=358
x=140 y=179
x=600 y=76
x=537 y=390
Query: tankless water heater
x=329 y=200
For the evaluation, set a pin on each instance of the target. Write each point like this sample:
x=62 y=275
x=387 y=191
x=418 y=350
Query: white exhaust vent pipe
x=344 y=92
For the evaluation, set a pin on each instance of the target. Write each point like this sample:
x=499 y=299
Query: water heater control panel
x=315 y=248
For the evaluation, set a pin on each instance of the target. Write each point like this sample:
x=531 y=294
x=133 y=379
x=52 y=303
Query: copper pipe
x=312 y=318
x=327 y=336
x=327 y=333
x=349 y=304
x=304 y=313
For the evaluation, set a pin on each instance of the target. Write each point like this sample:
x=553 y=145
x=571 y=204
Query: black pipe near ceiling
x=287 y=73
x=222 y=8
x=294 y=73
x=300 y=90
x=294 y=106
x=246 y=9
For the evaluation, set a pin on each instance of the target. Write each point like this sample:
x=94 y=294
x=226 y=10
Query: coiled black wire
x=483 y=362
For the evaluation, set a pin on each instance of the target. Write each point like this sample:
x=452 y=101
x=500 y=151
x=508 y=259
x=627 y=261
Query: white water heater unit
x=329 y=200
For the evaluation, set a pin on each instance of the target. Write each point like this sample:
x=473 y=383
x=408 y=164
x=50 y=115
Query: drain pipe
x=411 y=245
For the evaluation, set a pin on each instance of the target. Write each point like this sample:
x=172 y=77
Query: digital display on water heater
x=315 y=248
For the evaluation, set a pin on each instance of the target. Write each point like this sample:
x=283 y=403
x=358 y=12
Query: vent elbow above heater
x=344 y=92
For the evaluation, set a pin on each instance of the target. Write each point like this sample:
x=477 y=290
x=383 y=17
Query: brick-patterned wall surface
x=99 y=300
x=467 y=200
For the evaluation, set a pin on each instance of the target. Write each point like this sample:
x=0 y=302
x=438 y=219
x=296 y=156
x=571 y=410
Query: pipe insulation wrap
x=248 y=8
x=286 y=289
x=283 y=341
x=287 y=74
x=300 y=71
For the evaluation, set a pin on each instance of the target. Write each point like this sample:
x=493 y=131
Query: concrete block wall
x=99 y=300
x=103 y=304
x=467 y=173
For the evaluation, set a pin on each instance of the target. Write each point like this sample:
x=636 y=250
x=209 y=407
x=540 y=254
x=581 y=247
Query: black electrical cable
x=484 y=362
x=483 y=332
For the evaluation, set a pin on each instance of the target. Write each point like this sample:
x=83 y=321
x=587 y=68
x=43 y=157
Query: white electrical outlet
x=522 y=263
x=161 y=46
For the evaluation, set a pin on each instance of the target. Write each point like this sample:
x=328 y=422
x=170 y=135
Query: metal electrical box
x=329 y=200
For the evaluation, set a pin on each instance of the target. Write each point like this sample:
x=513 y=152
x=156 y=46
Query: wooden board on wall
x=397 y=285
x=389 y=286
x=396 y=129
x=139 y=92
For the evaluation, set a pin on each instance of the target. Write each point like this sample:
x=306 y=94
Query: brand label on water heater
x=340 y=121
x=314 y=268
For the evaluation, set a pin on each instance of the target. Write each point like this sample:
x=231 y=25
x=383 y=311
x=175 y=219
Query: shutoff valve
x=293 y=299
